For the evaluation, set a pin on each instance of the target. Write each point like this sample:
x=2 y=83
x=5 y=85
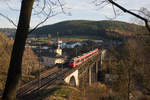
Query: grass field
x=75 y=37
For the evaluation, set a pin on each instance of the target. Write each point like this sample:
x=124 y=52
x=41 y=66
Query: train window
x=78 y=61
x=86 y=56
x=82 y=59
x=71 y=61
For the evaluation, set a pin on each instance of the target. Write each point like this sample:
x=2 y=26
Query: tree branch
x=50 y=14
x=61 y=7
x=11 y=21
x=42 y=22
x=128 y=11
x=43 y=8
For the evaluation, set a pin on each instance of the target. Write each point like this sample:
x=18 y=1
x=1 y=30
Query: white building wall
x=59 y=61
x=59 y=51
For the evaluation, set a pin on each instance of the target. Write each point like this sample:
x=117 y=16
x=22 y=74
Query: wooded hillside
x=100 y=29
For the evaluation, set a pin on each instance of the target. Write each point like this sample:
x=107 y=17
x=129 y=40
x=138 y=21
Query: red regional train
x=80 y=59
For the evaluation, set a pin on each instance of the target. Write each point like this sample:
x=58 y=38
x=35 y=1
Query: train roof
x=83 y=54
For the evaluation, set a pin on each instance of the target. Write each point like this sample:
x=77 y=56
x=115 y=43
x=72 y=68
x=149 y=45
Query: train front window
x=71 y=61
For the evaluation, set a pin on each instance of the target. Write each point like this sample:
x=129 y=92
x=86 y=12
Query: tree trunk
x=14 y=72
x=129 y=84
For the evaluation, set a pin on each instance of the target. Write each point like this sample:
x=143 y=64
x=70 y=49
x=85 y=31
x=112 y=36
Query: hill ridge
x=102 y=29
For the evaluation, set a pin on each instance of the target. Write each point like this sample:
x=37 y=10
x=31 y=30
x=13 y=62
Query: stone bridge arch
x=72 y=81
x=72 y=78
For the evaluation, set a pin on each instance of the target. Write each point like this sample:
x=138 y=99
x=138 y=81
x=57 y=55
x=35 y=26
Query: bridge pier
x=90 y=76
x=96 y=71
x=93 y=73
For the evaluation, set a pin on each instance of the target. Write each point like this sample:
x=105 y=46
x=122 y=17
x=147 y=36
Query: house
x=59 y=60
x=48 y=61
x=71 y=44
x=98 y=41
x=63 y=45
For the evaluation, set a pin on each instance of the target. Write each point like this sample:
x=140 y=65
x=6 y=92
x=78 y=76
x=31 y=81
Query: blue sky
x=79 y=9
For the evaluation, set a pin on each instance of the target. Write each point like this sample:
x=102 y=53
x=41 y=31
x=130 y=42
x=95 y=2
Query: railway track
x=45 y=81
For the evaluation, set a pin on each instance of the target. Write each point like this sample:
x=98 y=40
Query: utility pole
x=58 y=36
x=39 y=83
x=62 y=68
x=76 y=52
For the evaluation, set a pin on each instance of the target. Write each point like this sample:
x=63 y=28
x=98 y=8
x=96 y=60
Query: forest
x=102 y=29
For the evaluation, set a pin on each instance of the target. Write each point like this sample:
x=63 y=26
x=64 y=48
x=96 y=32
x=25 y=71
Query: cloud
x=10 y=4
x=134 y=4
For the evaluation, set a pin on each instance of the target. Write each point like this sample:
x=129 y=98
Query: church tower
x=59 y=58
x=59 y=50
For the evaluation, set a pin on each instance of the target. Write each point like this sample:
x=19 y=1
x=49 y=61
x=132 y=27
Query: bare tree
x=142 y=12
x=105 y=2
x=123 y=69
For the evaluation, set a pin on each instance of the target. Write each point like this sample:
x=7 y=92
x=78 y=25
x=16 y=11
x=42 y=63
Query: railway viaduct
x=81 y=76
x=84 y=74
